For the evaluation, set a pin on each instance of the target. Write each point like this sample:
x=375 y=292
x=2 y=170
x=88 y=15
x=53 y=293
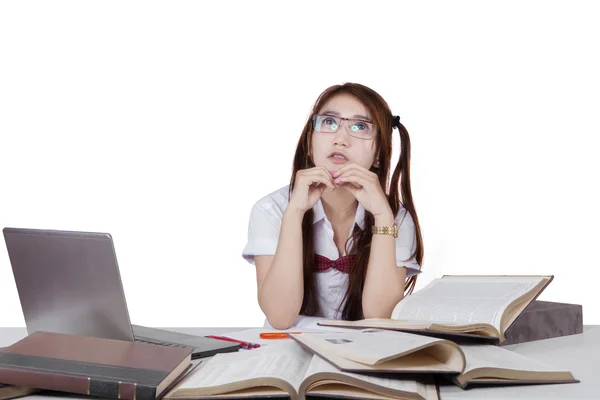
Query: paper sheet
x=303 y=324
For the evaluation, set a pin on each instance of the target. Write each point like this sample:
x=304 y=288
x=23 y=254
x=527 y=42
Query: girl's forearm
x=383 y=289
x=282 y=291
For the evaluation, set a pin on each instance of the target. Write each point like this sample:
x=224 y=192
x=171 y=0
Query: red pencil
x=245 y=345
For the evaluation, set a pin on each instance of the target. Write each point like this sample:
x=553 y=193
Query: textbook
x=288 y=370
x=467 y=307
x=93 y=366
x=380 y=351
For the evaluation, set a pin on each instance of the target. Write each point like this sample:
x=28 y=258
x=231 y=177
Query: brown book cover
x=545 y=320
x=93 y=366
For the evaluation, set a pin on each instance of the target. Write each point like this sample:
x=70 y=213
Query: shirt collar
x=319 y=214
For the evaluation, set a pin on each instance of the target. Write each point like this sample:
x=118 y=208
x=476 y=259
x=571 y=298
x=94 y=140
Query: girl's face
x=336 y=142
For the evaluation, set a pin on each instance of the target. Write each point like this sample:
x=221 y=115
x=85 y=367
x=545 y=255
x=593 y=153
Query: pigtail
x=402 y=170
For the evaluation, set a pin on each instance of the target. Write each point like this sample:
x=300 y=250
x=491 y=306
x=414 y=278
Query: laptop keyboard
x=159 y=342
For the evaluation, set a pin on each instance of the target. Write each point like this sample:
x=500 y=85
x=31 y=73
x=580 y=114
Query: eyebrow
x=354 y=116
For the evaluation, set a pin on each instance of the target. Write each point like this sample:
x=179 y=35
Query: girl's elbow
x=279 y=318
x=281 y=321
x=280 y=324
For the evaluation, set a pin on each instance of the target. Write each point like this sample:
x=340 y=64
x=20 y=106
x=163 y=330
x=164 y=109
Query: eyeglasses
x=357 y=128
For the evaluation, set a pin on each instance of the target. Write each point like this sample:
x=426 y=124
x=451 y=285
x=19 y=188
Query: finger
x=318 y=177
x=342 y=170
x=354 y=178
x=356 y=185
x=349 y=167
x=356 y=172
x=319 y=190
x=364 y=172
x=321 y=187
x=327 y=176
x=317 y=171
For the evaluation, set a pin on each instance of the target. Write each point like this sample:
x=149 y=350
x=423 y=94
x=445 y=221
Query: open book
x=467 y=306
x=380 y=351
x=370 y=351
x=288 y=370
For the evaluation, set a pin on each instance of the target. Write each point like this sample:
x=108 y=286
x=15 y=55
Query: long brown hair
x=361 y=239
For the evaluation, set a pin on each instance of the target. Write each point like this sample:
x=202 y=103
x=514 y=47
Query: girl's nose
x=341 y=135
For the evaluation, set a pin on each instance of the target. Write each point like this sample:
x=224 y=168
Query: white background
x=163 y=122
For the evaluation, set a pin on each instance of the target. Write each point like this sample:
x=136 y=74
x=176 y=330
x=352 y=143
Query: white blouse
x=263 y=234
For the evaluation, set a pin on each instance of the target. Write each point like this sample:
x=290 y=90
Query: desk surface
x=579 y=354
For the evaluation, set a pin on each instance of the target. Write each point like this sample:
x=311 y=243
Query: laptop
x=69 y=282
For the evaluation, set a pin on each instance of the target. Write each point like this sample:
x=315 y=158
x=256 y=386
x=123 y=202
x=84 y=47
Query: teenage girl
x=338 y=241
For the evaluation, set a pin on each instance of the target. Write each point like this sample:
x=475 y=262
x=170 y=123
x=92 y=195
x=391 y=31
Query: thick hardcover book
x=93 y=366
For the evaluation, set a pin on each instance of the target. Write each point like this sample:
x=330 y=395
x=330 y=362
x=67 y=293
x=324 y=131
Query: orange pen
x=275 y=335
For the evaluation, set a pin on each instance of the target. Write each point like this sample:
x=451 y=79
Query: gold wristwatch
x=386 y=230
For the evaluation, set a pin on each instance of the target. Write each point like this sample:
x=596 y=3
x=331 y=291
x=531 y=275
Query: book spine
x=79 y=384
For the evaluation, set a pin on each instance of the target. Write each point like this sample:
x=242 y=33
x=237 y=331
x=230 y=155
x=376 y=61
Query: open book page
x=421 y=386
x=490 y=356
x=437 y=360
x=369 y=346
x=464 y=300
x=287 y=361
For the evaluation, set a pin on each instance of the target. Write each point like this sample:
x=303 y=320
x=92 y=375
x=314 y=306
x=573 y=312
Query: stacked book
x=91 y=366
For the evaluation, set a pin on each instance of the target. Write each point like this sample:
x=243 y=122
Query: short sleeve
x=406 y=243
x=263 y=231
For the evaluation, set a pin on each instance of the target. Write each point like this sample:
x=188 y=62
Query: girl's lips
x=337 y=160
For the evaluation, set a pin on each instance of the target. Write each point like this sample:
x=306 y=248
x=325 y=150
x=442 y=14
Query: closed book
x=93 y=366
x=545 y=320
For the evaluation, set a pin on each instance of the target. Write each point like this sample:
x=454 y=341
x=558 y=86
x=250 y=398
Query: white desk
x=579 y=354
